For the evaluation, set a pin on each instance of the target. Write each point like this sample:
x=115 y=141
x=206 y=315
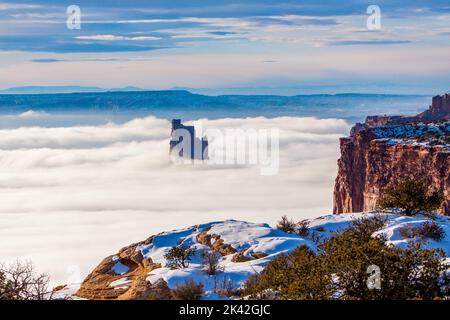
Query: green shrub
x=410 y=196
x=6 y=287
x=340 y=269
x=288 y=225
x=297 y=275
x=364 y=227
x=189 y=290
x=178 y=257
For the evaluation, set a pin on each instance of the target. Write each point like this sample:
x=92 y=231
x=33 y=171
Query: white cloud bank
x=71 y=196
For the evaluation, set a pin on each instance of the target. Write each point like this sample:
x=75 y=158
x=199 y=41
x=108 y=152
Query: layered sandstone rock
x=215 y=243
x=383 y=150
x=127 y=264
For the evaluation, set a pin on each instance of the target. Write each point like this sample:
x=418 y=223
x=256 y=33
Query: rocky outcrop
x=386 y=149
x=101 y=282
x=142 y=271
x=215 y=243
x=439 y=109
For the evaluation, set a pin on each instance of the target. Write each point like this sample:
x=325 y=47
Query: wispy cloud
x=16 y=6
x=286 y=31
x=53 y=60
x=110 y=37
x=366 y=42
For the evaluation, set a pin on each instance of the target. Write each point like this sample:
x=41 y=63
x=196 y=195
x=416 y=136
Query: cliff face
x=383 y=150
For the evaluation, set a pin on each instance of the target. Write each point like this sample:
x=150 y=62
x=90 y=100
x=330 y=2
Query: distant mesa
x=438 y=111
x=185 y=144
x=65 y=89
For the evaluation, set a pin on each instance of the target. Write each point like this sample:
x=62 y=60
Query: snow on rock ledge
x=245 y=248
x=391 y=231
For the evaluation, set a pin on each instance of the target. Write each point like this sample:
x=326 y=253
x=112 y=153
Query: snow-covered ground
x=391 y=232
x=411 y=130
x=242 y=236
x=248 y=238
x=421 y=134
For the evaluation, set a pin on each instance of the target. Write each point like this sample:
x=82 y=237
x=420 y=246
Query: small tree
x=411 y=196
x=303 y=228
x=18 y=281
x=286 y=225
x=211 y=262
x=6 y=287
x=178 y=257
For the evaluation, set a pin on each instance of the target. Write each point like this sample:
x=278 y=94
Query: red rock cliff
x=373 y=157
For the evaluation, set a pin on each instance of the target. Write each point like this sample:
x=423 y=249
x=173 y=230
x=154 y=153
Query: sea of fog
x=76 y=186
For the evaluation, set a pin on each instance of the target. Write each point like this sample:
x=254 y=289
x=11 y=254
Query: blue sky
x=282 y=46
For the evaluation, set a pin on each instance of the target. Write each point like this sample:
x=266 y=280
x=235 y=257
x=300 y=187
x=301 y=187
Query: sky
x=269 y=46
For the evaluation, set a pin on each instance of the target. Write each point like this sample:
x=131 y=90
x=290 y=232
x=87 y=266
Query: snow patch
x=119 y=268
x=120 y=282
